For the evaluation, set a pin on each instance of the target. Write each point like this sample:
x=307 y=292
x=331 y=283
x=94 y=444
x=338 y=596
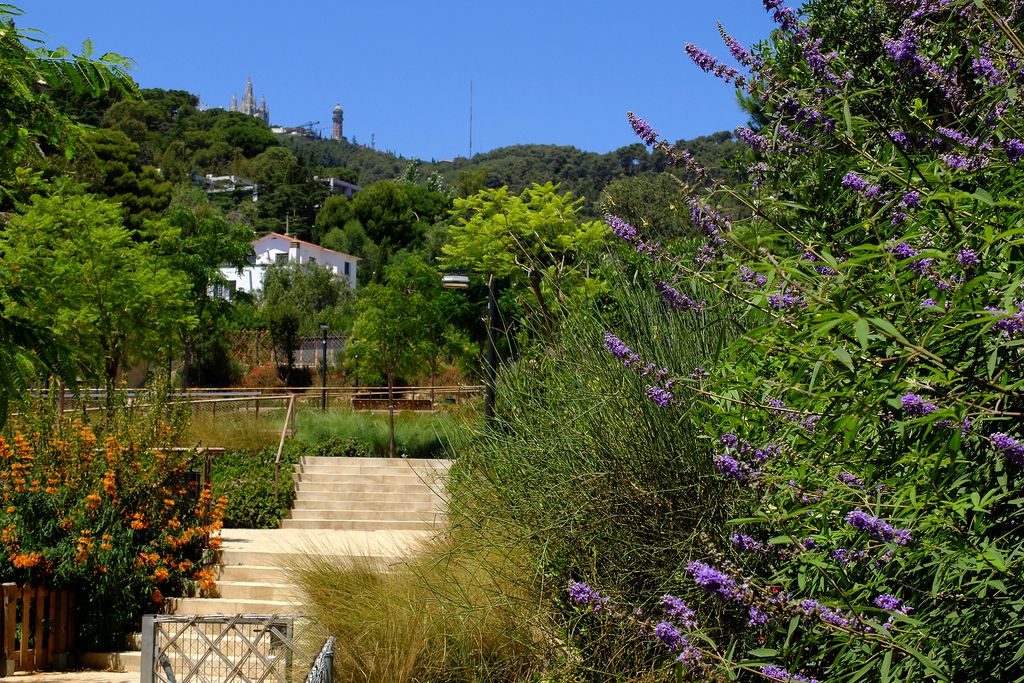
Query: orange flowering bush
x=125 y=524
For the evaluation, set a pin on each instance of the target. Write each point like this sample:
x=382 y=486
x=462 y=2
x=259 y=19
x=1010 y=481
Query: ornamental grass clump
x=123 y=524
x=882 y=248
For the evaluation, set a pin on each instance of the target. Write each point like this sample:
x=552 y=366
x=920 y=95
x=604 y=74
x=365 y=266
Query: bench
x=400 y=404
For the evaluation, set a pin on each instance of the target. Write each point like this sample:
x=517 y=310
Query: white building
x=277 y=248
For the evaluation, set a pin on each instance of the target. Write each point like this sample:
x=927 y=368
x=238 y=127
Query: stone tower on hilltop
x=249 y=105
x=338 y=116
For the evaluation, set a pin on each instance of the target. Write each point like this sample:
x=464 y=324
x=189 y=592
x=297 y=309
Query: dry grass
x=455 y=613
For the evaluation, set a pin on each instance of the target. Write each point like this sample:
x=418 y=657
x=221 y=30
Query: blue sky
x=543 y=72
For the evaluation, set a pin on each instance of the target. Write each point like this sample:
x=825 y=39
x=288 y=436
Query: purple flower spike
x=660 y=396
x=582 y=594
x=876 y=528
x=714 y=581
x=852 y=181
x=677 y=300
x=916 y=406
x=1014 y=150
x=850 y=480
x=968 y=258
x=669 y=636
x=891 y=603
x=643 y=130
x=777 y=673
x=732 y=468
x=1012 y=449
x=678 y=610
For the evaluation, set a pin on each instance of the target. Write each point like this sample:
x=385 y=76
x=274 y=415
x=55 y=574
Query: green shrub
x=602 y=484
x=246 y=479
x=120 y=521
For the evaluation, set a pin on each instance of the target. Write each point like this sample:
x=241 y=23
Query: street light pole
x=323 y=369
x=457 y=281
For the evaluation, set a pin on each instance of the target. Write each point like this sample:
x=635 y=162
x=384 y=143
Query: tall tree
x=31 y=126
x=535 y=235
x=399 y=327
x=97 y=290
x=196 y=241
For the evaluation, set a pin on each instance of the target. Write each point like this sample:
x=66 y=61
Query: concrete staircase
x=374 y=510
x=367 y=493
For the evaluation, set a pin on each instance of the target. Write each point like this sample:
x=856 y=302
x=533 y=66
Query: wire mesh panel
x=247 y=648
x=322 y=670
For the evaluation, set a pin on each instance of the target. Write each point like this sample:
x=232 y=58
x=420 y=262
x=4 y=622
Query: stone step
x=355 y=497
x=276 y=558
x=386 y=505
x=366 y=525
x=359 y=487
x=252 y=572
x=368 y=515
x=129 y=660
x=369 y=470
x=207 y=606
x=379 y=462
x=258 y=590
x=344 y=478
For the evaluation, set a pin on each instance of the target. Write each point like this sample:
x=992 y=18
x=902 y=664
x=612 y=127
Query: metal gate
x=251 y=648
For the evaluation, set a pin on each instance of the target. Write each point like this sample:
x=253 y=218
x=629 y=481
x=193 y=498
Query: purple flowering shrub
x=875 y=416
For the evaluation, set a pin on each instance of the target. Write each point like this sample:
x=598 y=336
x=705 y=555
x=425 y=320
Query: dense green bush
x=602 y=484
x=107 y=511
x=873 y=418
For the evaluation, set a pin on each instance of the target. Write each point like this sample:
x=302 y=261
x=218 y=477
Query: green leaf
x=861 y=330
x=843 y=356
x=848 y=119
x=983 y=196
x=763 y=652
x=886 y=663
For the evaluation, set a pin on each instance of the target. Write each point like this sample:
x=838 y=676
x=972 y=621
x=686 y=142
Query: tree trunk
x=539 y=295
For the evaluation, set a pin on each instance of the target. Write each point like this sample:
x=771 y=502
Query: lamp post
x=323 y=368
x=453 y=281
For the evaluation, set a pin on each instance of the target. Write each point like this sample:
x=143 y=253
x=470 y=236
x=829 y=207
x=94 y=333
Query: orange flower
x=160 y=575
x=174 y=523
x=138 y=522
x=27 y=561
x=206 y=581
x=157 y=596
x=11 y=509
x=94 y=501
x=110 y=483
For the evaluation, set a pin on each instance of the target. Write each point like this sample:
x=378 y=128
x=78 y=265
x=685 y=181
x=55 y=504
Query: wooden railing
x=37 y=628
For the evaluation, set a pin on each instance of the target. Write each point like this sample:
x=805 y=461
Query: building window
x=346 y=268
x=281 y=257
x=311 y=260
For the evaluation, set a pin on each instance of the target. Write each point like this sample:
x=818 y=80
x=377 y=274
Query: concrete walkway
x=75 y=677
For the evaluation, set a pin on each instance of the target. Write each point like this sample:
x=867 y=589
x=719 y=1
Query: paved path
x=75 y=677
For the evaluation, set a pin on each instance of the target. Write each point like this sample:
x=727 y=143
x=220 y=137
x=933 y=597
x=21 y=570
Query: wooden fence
x=37 y=628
